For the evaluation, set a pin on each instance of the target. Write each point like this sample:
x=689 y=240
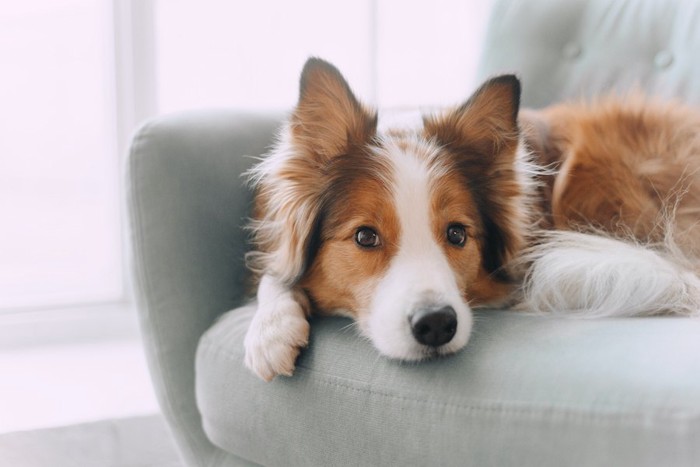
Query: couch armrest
x=187 y=202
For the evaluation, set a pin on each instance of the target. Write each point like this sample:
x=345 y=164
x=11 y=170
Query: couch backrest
x=565 y=49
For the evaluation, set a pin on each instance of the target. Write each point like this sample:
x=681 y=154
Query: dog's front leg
x=279 y=330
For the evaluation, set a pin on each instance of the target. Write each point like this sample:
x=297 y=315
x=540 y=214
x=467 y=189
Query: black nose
x=434 y=326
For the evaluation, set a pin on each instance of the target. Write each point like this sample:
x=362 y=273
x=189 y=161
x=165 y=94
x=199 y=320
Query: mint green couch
x=527 y=391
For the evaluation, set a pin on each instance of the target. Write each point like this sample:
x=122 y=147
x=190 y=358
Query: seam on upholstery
x=504 y=407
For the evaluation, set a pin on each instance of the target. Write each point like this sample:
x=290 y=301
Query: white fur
x=285 y=214
x=582 y=275
x=278 y=331
x=419 y=274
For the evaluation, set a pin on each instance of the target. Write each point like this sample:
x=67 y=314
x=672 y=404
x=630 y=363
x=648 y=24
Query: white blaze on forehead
x=419 y=274
x=420 y=259
x=412 y=194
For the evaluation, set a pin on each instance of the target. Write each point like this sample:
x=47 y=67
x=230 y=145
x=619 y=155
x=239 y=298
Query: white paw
x=276 y=335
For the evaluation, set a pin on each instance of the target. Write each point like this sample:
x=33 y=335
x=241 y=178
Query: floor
x=131 y=442
x=75 y=391
x=67 y=384
x=70 y=368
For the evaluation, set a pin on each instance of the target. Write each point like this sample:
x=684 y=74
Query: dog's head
x=402 y=230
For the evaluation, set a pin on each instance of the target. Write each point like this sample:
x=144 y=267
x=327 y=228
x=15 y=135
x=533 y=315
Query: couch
x=526 y=391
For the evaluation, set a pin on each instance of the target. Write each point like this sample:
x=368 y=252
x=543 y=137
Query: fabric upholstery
x=582 y=48
x=526 y=391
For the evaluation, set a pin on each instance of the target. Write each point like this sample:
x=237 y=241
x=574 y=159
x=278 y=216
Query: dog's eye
x=366 y=237
x=456 y=234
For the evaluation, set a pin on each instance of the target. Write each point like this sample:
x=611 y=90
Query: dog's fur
x=588 y=209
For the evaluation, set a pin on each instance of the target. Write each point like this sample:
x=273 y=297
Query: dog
x=587 y=209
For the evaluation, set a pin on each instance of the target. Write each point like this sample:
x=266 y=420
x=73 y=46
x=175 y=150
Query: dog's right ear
x=329 y=120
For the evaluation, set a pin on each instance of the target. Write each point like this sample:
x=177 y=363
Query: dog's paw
x=274 y=339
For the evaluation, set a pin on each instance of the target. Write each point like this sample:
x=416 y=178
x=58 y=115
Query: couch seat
x=526 y=391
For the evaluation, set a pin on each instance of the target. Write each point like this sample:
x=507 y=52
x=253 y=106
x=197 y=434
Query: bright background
x=79 y=76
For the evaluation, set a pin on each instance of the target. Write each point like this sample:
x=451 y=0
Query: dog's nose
x=434 y=326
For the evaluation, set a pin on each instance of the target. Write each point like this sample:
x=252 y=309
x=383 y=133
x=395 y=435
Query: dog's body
x=406 y=230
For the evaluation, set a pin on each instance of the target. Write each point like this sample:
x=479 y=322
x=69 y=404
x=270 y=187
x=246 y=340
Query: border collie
x=588 y=209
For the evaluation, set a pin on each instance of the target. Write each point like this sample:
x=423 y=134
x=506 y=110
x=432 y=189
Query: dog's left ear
x=487 y=123
x=482 y=135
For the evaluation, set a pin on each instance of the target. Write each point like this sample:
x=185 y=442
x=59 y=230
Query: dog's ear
x=482 y=136
x=329 y=120
x=486 y=123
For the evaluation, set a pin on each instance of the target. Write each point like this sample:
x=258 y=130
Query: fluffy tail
x=590 y=276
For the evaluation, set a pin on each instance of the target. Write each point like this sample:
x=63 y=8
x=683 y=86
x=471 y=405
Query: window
x=80 y=75
x=248 y=55
x=60 y=237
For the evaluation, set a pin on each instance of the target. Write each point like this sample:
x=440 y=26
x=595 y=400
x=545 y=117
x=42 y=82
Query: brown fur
x=340 y=275
x=343 y=276
x=628 y=166
x=454 y=202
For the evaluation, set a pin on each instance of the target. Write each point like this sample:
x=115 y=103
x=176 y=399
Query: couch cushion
x=526 y=391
